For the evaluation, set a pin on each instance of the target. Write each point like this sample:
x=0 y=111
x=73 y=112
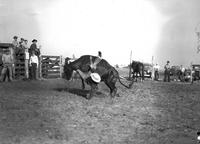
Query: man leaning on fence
x=7 y=60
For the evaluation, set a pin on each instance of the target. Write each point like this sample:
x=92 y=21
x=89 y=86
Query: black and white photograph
x=99 y=71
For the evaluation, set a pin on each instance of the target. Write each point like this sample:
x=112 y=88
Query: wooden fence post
x=40 y=67
x=130 y=65
x=60 y=66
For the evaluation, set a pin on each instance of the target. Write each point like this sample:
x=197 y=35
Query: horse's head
x=68 y=71
x=67 y=60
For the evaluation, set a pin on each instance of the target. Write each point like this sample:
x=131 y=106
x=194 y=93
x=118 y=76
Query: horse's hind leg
x=92 y=91
x=113 y=89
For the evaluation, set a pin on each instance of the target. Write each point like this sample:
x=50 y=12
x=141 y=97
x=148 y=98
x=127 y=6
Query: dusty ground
x=56 y=112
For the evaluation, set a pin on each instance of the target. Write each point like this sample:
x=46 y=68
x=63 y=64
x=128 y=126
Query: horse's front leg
x=92 y=91
x=83 y=83
x=83 y=77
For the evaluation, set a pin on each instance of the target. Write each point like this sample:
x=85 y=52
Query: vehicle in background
x=148 y=70
x=196 y=73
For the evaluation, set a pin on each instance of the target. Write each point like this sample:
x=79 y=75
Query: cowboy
x=20 y=48
x=93 y=65
x=92 y=75
x=15 y=42
x=34 y=48
x=92 y=79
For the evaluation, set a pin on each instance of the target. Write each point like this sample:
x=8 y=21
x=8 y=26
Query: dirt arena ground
x=56 y=112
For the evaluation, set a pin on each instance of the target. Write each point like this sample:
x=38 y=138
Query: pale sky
x=164 y=29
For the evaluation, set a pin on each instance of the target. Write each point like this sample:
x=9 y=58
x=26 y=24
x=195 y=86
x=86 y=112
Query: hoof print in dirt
x=54 y=134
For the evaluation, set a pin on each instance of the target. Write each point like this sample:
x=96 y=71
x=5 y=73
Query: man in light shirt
x=182 y=74
x=156 y=72
x=26 y=57
x=34 y=65
x=7 y=60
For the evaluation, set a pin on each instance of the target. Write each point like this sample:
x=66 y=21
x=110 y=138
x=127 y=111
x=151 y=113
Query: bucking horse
x=109 y=75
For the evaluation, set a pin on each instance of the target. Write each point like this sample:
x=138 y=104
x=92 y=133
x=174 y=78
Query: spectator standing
x=7 y=60
x=20 y=49
x=34 y=65
x=182 y=73
x=13 y=49
x=167 y=72
x=26 y=58
x=15 y=42
x=156 y=72
x=21 y=43
x=192 y=74
x=34 y=48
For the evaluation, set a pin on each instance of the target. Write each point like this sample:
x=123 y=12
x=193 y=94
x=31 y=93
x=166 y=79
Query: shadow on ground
x=80 y=92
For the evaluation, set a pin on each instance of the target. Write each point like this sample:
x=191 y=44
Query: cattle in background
x=137 y=69
x=109 y=75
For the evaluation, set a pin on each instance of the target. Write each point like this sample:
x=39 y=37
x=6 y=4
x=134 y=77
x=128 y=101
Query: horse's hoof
x=88 y=96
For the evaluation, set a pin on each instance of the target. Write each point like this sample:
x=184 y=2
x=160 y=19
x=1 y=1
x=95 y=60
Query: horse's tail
x=129 y=86
x=121 y=77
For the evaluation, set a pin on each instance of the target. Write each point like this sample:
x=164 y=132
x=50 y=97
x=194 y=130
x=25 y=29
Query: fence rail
x=51 y=66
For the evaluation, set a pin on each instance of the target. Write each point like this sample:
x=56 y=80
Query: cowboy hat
x=34 y=40
x=95 y=77
x=15 y=37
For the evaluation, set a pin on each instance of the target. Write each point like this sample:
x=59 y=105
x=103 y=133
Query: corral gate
x=51 y=66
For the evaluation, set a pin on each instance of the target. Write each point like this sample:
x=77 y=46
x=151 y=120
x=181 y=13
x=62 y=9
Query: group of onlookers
x=180 y=72
x=31 y=57
x=167 y=71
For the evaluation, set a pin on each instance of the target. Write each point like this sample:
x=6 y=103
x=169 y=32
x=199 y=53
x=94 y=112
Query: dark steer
x=109 y=75
x=137 y=69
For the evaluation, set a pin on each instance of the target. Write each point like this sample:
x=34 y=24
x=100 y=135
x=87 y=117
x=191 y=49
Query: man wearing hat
x=95 y=77
x=15 y=42
x=34 y=48
x=91 y=78
x=93 y=65
x=7 y=60
x=167 y=72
